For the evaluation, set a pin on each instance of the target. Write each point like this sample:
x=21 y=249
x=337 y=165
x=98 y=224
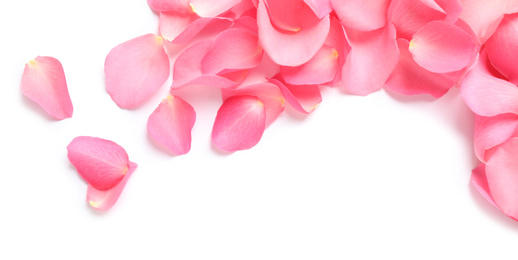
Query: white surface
x=372 y=177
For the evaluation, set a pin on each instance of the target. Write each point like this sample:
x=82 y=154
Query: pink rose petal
x=172 y=24
x=239 y=124
x=211 y=8
x=171 y=124
x=442 y=47
x=43 y=81
x=135 y=70
x=105 y=199
x=320 y=7
x=180 y=6
x=304 y=98
x=101 y=163
x=492 y=131
x=502 y=47
x=453 y=9
x=479 y=180
x=408 y=16
x=362 y=15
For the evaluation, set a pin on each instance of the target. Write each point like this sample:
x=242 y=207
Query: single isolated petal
x=239 y=124
x=502 y=47
x=290 y=32
x=492 y=131
x=487 y=95
x=101 y=163
x=135 y=70
x=320 y=7
x=408 y=16
x=362 y=15
x=408 y=78
x=210 y=8
x=43 y=81
x=105 y=199
x=442 y=47
x=479 y=180
x=502 y=177
x=371 y=60
x=304 y=98
x=171 y=124
x=269 y=94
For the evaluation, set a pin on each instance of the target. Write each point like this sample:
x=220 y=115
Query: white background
x=377 y=177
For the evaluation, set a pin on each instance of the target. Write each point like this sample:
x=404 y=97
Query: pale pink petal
x=171 y=124
x=172 y=24
x=371 y=60
x=170 y=5
x=361 y=15
x=492 y=131
x=43 y=81
x=452 y=8
x=239 y=124
x=442 y=47
x=297 y=35
x=479 y=180
x=187 y=70
x=408 y=16
x=409 y=78
x=105 y=199
x=502 y=177
x=320 y=69
x=211 y=8
x=233 y=49
x=320 y=7
x=502 y=47
x=135 y=70
x=268 y=93
x=304 y=98
x=101 y=163
x=484 y=16
x=487 y=95
x=197 y=27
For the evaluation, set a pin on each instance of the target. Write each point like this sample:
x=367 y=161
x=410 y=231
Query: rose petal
x=408 y=16
x=320 y=7
x=172 y=24
x=105 y=199
x=442 y=47
x=210 y=8
x=239 y=124
x=135 y=70
x=43 y=81
x=198 y=26
x=320 y=69
x=361 y=15
x=479 y=180
x=492 y=131
x=181 y=6
x=502 y=47
x=304 y=98
x=171 y=124
x=101 y=163
x=453 y=9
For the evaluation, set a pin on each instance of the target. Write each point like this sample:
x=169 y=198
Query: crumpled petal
x=135 y=70
x=43 y=81
x=239 y=124
x=487 y=95
x=408 y=78
x=188 y=70
x=233 y=49
x=442 y=47
x=269 y=94
x=211 y=8
x=171 y=124
x=362 y=15
x=479 y=180
x=304 y=98
x=290 y=32
x=101 y=163
x=502 y=47
x=371 y=60
x=492 y=131
x=502 y=177
x=105 y=199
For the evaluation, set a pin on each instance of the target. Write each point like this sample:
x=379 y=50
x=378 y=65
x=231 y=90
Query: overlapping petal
x=171 y=124
x=492 y=131
x=320 y=7
x=479 y=180
x=43 y=81
x=239 y=124
x=502 y=47
x=135 y=70
x=211 y=8
x=304 y=98
x=408 y=16
x=362 y=15
x=101 y=163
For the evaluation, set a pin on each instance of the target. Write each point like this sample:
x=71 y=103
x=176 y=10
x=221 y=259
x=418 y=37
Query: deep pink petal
x=233 y=49
x=371 y=60
x=492 y=131
x=101 y=163
x=408 y=16
x=304 y=98
x=408 y=78
x=239 y=124
x=320 y=7
x=362 y=15
x=210 y=8
x=269 y=94
x=502 y=177
x=171 y=124
x=172 y=24
x=502 y=47
x=320 y=69
x=43 y=81
x=298 y=40
x=180 y=6
x=487 y=95
x=442 y=47
x=135 y=70
x=105 y=199
x=479 y=180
